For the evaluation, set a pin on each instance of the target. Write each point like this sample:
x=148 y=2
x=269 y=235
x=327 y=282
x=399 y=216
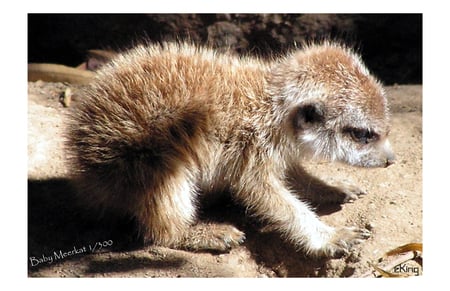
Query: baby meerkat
x=162 y=124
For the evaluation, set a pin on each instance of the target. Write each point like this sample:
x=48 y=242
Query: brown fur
x=161 y=124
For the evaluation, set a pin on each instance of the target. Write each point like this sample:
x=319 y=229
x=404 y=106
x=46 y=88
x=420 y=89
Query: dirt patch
x=65 y=241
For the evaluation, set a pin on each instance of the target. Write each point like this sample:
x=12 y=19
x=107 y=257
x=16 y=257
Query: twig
x=399 y=260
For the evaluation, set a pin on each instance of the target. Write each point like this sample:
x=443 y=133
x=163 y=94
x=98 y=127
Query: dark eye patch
x=361 y=135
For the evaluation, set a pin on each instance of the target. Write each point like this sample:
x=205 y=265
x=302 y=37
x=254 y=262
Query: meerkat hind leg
x=211 y=237
x=170 y=220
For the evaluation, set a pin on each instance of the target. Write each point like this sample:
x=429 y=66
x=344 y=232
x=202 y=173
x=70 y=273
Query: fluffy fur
x=163 y=123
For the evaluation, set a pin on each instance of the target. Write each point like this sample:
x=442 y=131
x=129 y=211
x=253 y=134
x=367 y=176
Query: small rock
x=66 y=97
x=369 y=225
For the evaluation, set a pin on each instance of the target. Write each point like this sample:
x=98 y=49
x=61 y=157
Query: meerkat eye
x=361 y=135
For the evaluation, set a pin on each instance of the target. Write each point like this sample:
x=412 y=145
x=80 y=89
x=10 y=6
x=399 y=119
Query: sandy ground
x=65 y=241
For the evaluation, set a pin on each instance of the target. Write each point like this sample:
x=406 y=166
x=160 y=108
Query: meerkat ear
x=308 y=114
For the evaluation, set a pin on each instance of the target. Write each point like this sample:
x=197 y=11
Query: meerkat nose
x=390 y=159
x=389 y=162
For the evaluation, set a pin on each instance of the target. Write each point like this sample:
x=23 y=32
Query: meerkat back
x=145 y=134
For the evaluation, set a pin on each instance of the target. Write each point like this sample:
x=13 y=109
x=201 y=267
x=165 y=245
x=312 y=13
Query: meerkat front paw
x=344 y=239
x=339 y=192
x=349 y=192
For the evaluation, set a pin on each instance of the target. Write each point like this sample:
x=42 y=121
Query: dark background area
x=390 y=44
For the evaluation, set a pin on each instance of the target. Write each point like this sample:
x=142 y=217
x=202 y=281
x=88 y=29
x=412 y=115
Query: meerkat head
x=331 y=107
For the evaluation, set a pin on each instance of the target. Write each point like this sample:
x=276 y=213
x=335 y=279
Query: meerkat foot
x=319 y=192
x=211 y=237
x=343 y=240
x=348 y=192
